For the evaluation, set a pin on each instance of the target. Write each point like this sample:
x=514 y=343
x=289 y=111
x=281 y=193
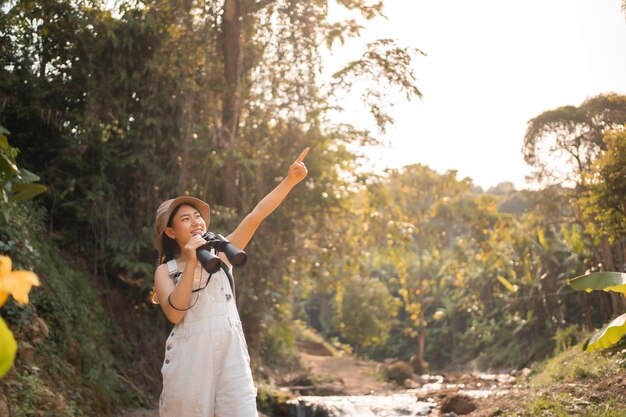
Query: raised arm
x=244 y=232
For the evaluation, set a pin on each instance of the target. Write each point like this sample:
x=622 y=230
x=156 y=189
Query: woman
x=206 y=370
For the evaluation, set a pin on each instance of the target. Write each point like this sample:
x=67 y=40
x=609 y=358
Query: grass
x=305 y=334
x=574 y=383
x=35 y=396
x=565 y=406
x=573 y=364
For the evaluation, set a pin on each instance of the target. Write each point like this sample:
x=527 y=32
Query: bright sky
x=491 y=65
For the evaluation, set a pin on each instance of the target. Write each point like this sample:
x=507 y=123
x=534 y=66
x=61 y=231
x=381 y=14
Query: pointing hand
x=297 y=170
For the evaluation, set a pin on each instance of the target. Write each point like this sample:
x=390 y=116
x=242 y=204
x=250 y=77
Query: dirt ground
x=358 y=377
x=586 y=397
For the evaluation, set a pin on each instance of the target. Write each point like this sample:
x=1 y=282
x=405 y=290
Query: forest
x=105 y=112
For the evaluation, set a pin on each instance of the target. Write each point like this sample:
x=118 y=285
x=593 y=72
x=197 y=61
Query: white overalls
x=206 y=370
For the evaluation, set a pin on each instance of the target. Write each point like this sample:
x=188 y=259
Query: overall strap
x=172 y=267
x=231 y=281
x=174 y=273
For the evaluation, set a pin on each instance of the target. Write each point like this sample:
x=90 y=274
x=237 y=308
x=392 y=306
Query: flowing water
x=412 y=402
x=393 y=405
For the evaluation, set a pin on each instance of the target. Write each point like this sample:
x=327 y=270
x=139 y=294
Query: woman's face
x=186 y=222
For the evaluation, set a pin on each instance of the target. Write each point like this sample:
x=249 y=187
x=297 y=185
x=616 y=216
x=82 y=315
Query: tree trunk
x=587 y=312
x=231 y=98
x=453 y=336
x=185 y=154
x=420 y=366
x=617 y=305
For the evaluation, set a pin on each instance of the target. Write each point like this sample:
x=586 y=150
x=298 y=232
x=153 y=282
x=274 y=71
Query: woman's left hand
x=297 y=170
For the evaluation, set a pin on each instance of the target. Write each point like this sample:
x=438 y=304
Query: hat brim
x=202 y=207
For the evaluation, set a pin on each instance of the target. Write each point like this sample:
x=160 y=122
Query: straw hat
x=165 y=211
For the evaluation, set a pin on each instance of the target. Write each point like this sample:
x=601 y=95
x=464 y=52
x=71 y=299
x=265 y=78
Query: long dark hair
x=170 y=247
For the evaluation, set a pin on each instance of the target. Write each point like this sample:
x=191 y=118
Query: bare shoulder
x=161 y=271
x=162 y=281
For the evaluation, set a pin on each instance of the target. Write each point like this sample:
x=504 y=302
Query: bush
x=566 y=338
x=367 y=310
x=73 y=369
x=573 y=364
x=399 y=372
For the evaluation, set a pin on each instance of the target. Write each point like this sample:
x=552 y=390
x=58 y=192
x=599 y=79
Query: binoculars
x=212 y=263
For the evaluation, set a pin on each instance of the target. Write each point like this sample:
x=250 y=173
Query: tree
x=366 y=312
x=606 y=201
x=157 y=99
x=562 y=144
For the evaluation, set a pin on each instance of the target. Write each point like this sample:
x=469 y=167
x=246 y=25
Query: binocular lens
x=209 y=262
x=235 y=256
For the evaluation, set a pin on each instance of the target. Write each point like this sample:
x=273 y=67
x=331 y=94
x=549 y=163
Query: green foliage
x=366 y=310
x=610 y=334
x=604 y=201
x=37 y=393
x=571 y=383
x=573 y=135
x=74 y=367
x=278 y=347
x=8 y=348
x=566 y=406
x=271 y=401
x=572 y=364
x=566 y=338
x=144 y=104
x=309 y=336
x=16 y=184
x=440 y=248
x=613 y=331
x=607 y=281
x=508 y=344
x=383 y=64
x=119 y=111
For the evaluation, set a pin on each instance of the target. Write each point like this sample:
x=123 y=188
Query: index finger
x=303 y=154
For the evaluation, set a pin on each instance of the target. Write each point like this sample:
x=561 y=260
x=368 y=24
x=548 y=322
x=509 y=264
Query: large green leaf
x=23 y=192
x=9 y=151
x=610 y=334
x=8 y=347
x=607 y=281
x=7 y=159
x=25 y=176
x=7 y=167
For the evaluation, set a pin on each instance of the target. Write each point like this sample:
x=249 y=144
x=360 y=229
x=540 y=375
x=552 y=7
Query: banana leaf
x=610 y=334
x=8 y=347
x=606 y=281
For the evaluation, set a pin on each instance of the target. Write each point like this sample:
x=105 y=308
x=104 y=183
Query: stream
x=397 y=404
x=409 y=402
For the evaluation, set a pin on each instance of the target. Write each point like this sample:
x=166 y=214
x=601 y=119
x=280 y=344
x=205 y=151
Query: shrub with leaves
x=613 y=331
x=17 y=284
x=16 y=184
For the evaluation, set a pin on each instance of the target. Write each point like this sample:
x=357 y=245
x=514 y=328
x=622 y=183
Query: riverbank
x=572 y=383
x=331 y=383
x=330 y=380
